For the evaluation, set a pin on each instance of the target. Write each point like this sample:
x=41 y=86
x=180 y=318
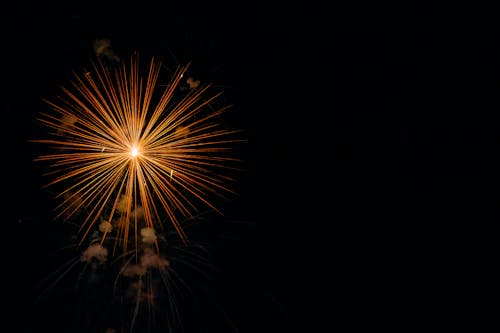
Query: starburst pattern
x=131 y=152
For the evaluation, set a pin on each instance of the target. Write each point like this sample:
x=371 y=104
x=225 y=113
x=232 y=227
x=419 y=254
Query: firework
x=129 y=150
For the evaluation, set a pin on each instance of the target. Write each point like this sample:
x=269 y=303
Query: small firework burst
x=129 y=149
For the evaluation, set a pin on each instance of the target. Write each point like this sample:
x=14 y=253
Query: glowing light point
x=134 y=152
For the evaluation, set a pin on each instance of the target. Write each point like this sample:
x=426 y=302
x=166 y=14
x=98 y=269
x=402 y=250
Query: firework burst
x=128 y=152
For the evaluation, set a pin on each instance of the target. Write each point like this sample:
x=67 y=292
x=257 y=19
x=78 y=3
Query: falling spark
x=117 y=137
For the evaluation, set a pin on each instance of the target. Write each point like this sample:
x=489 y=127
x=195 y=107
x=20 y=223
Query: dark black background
x=370 y=192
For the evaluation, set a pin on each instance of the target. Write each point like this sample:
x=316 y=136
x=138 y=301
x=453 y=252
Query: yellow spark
x=128 y=133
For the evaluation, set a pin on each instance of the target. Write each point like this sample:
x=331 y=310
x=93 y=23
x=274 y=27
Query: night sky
x=366 y=198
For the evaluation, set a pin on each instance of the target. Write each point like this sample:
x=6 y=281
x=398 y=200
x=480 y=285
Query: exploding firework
x=131 y=151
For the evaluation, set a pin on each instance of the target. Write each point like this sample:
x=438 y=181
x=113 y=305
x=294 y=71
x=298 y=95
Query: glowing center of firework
x=134 y=151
